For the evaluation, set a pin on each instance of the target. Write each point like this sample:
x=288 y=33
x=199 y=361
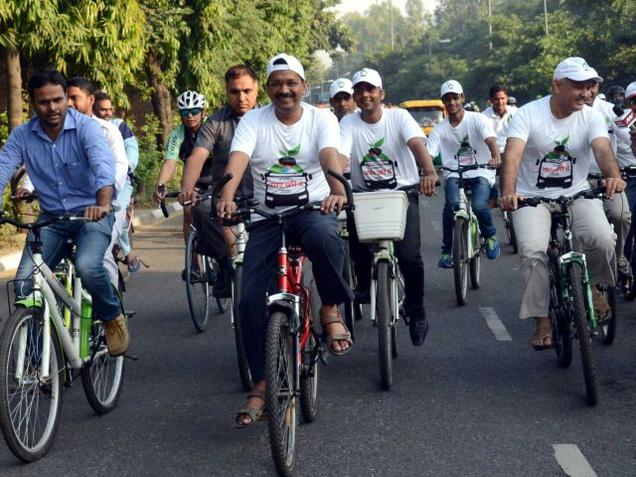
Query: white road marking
x=572 y=461
x=495 y=324
x=436 y=225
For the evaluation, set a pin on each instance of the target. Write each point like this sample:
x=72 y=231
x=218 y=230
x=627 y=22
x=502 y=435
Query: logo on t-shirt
x=466 y=155
x=286 y=181
x=555 y=168
x=378 y=171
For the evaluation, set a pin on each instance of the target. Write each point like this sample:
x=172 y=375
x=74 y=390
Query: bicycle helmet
x=191 y=99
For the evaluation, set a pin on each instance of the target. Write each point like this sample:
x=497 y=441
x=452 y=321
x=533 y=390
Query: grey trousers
x=592 y=236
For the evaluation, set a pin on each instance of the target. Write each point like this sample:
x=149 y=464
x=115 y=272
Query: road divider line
x=495 y=324
x=572 y=461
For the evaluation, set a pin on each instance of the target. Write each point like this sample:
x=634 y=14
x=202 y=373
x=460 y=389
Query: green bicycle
x=50 y=338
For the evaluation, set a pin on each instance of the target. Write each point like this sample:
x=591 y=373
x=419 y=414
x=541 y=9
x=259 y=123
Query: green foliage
x=149 y=156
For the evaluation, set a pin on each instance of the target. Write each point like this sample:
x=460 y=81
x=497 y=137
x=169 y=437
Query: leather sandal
x=346 y=336
x=254 y=413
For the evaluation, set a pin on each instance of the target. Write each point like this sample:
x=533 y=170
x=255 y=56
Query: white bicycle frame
x=47 y=286
x=385 y=252
x=464 y=211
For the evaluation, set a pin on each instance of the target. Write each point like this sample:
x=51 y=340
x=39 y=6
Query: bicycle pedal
x=323 y=357
x=130 y=314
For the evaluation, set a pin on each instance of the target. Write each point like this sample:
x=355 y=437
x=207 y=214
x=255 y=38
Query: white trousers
x=109 y=260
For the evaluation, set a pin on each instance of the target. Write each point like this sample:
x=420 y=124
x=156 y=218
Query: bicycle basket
x=380 y=215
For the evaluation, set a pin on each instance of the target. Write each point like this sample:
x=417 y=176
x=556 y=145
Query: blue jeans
x=480 y=194
x=318 y=236
x=91 y=240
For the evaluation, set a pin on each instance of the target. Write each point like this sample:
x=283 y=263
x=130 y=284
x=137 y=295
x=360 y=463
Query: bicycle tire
x=309 y=371
x=583 y=334
x=26 y=324
x=608 y=329
x=198 y=290
x=349 y=304
x=475 y=271
x=281 y=402
x=629 y=286
x=103 y=377
x=383 y=323
x=561 y=333
x=513 y=236
x=460 y=267
x=241 y=355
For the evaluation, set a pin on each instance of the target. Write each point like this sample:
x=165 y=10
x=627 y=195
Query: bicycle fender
x=30 y=302
x=461 y=213
x=286 y=307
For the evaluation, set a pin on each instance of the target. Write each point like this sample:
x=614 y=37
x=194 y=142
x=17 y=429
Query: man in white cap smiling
x=547 y=155
x=288 y=144
x=385 y=147
x=341 y=97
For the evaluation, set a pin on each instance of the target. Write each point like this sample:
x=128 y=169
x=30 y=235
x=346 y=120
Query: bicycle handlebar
x=596 y=193
x=471 y=167
x=38 y=224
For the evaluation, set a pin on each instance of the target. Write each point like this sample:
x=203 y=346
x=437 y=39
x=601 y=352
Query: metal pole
x=545 y=15
x=490 y=25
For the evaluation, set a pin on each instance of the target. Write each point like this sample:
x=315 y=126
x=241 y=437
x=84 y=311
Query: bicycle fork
x=577 y=259
x=385 y=253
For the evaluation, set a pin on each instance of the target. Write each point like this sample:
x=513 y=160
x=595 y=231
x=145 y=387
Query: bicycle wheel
x=103 y=377
x=383 y=322
x=608 y=329
x=475 y=269
x=558 y=316
x=628 y=287
x=281 y=402
x=583 y=333
x=197 y=284
x=460 y=260
x=512 y=234
x=309 y=370
x=29 y=405
x=241 y=355
x=349 y=305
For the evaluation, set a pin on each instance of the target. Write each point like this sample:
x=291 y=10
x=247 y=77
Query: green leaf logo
x=378 y=143
x=291 y=152
x=563 y=142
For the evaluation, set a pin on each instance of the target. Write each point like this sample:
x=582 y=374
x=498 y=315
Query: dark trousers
x=409 y=258
x=317 y=235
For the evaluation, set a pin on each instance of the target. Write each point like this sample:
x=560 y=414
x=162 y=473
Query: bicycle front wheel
x=241 y=355
x=383 y=323
x=197 y=284
x=561 y=331
x=460 y=260
x=30 y=405
x=281 y=402
x=583 y=333
x=103 y=376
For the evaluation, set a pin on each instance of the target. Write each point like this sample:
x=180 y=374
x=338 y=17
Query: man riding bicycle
x=288 y=138
x=73 y=171
x=391 y=136
x=500 y=113
x=210 y=156
x=547 y=155
x=341 y=97
x=465 y=138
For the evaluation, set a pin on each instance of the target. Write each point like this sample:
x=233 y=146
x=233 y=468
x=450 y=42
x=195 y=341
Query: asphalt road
x=475 y=400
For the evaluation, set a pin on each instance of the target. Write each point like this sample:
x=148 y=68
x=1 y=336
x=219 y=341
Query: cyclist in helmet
x=179 y=147
x=616 y=94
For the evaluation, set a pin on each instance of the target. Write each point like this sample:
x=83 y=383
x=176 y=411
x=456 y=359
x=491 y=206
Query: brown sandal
x=254 y=413
x=345 y=336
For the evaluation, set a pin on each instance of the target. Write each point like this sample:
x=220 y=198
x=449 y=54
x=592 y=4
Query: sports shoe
x=624 y=270
x=418 y=329
x=117 y=338
x=492 y=247
x=445 y=261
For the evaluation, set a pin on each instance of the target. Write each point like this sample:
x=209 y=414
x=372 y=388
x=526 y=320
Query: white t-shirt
x=500 y=124
x=284 y=159
x=464 y=143
x=556 y=160
x=624 y=155
x=379 y=154
x=605 y=108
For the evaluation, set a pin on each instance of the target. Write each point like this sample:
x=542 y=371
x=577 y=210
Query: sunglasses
x=190 y=112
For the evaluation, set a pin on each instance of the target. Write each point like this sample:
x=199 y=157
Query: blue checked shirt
x=66 y=173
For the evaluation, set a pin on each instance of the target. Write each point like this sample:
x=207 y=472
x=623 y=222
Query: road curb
x=148 y=217
x=10 y=261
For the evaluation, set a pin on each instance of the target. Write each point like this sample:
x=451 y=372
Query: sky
x=362 y=5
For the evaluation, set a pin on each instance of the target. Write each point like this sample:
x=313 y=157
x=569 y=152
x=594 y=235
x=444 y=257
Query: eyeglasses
x=190 y=112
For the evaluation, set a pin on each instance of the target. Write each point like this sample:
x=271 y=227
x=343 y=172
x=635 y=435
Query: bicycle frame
x=74 y=342
x=465 y=211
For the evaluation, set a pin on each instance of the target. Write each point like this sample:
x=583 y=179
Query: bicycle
x=627 y=284
x=571 y=308
x=352 y=309
x=200 y=273
x=387 y=284
x=293 y=346
x=510 y=230
x=50 y=337
x=467 y=240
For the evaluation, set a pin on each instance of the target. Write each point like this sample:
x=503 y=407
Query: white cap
x=285 y=62
x=630 y=90
x=575 y=69
x=450 y=86
x=341 y=85
x=367 y=75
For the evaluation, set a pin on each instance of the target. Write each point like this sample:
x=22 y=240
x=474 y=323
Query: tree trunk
x=14 y=88
x=160 y=97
